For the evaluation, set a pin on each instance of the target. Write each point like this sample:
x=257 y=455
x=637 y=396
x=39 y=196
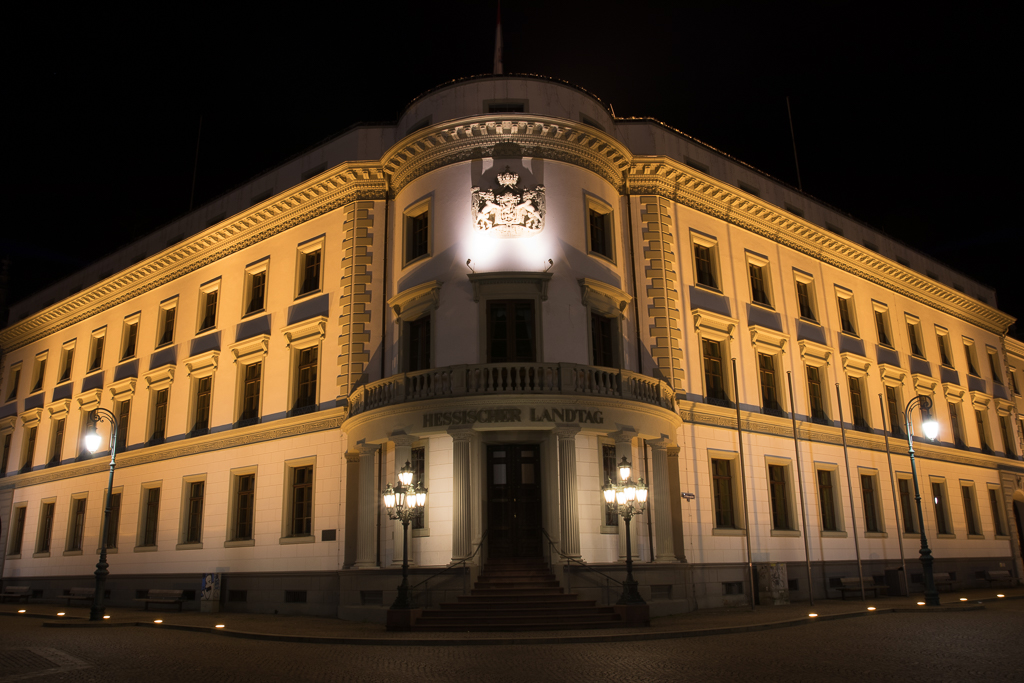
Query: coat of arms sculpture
x=513 y=213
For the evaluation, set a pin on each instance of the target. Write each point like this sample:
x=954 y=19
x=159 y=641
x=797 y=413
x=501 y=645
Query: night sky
x=903 y=120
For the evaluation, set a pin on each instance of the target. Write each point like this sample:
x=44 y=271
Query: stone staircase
x=517 y=594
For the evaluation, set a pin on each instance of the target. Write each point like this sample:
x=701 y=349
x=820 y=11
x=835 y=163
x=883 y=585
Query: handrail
x=583 y=564
x=455 y=563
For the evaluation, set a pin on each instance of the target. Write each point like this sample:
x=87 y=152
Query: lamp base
x=630 y=594
x=402 y=619
x=634 y=615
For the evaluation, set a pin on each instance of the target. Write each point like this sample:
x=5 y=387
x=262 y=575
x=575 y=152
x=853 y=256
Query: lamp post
x=93 y=441
x=404 y=502
x=931 y=430
x=627 y=499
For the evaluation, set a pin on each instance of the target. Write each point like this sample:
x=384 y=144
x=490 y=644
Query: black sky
x=904 y=117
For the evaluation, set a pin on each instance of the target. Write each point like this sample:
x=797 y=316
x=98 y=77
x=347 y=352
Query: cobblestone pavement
x=982 y=645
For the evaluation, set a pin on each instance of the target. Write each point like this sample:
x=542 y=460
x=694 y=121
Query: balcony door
x=511 y=331
x=514 y=501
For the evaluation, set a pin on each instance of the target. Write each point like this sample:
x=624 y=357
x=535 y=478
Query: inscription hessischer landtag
x=491 y=415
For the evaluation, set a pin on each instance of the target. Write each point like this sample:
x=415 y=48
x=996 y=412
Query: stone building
x=511 y=289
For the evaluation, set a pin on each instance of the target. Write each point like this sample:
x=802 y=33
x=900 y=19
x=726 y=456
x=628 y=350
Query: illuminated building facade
x=511 y=289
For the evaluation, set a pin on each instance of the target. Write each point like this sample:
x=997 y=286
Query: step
x=427 y=620
x=514 y=605
x=516 y=572
x=512 y=585
x=525 y=592
x=552 y=626
x=505 y=597
x=508 y=612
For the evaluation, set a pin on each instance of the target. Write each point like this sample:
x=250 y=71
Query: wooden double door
x=514 y=519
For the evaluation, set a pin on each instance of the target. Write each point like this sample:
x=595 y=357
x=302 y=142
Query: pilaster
x=661 y=502
x=568 y=490
x=366 y=538
x=462 y=542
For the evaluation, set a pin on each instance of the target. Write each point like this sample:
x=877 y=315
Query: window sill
x=110 y=551
x=69 y=553
x=887 y=347
x=722 y=531
x=145 y=548
x=36 y=555
x=245 y=543
x=310 y=293
x=93 y=371
x=809 y=321
x=424 y=257
x=253 y=314
x=912 y=534
x=127 y=359
x=851 y=335
x=833 y=534
x=918 y=357
x=791 y=533
x=945 y=535
x=977 y=537
x=420 y=533
x=709 y=288
x=166 y=344
x=66 y=380
x=767 y=307
x=603 y=257
x=189 y=546
x=292 y=540
x=1002 y=538
x=876 y=534
x=206 y=330
x=13 y=557
x=609 y=529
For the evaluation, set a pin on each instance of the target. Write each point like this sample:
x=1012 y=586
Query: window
x=914 y=334
x=58 y=442
x=970 y=514
x=418 y=334
x=721 y=475
x=130 y=337
x=208 y=307
x=907 y=510
x=6 y=454
x=993 y=365
x=418 y=463
x=956 y=426
x=995 y=503
x=193 y=531
x=778 y=488
x=17 y=531
x=759 y=284
x=66 y=362
x=12 y=383
x=945 y=355
x=872 y=511
x=986 y=444
x=123 y=410
x=309 y=268
x=1007 y=430
x=828 y=500
x=600 y=233
x=305 y=387
x=805 y=298
x=511 y=336
x=857 y=405
x=846 y=315
x=115 y=520
x=714 y=376
x=45 y=534
x=972 y=365
x=704 y=257
x=301 y=517
x=159 y=416
x=251 y=381
x=1013 y=382
x=245 y=499
x=893 y=407
x=30 y=448
x=255 y=288
x=96 y=350
x=882 y=326
x=769 y=386
x=76 y=526
x=417 y=232
x=38 y=373
x=204 y=389
x=165 y=323
x=816 y=395
x=610 y=472
x=942 y=525
x=150 y=516
x=602 y=335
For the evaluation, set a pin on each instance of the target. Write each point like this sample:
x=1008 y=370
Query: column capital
x=661 y=444
x=460 y=433
x=352 y=456
x=402 y=439
x=672 y=451
x=566 y=431
x=624 y=436
x=366 y=449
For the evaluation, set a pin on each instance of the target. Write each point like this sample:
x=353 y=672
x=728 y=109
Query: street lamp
x=627 y=499
x=931 y=430
x=404 y=502
x=93 y=441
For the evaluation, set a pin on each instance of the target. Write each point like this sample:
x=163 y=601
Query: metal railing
x=552 y=547
x=466 y=575
x=511 y=379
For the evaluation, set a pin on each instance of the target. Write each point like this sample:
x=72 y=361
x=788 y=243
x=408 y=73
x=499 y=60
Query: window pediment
x=604 y=298
x=89 y=400
x=767 y=341
x=123 y=390
x=1003 y=407
x=954 y=392
x=510 y=284
x=854 y=365
x=923 y=384
x=59 y=409
x=202 y=364
x=7 y=424
x=252 y=348
x=891 y=375
x=415 y=302
x=813 y=353
x=980 y=400
x=160 y=378
x=306 y=332
x=30 y=418
x=713 y=325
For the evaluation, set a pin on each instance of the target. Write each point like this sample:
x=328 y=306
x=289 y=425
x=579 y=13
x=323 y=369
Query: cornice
x=339 y=186
x=662 y=176
x=476 y=137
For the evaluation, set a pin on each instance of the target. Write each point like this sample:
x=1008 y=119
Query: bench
x=942 y=579
x=852 y=584
x=162 y=597
x=79 y=594
x=16 y=592
x=999 y=575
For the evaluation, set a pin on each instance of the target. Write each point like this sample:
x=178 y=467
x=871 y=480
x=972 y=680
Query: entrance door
x=513 y=501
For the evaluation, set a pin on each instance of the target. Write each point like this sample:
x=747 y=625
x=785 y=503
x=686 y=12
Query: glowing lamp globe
x=93 y=440
x=930 y=426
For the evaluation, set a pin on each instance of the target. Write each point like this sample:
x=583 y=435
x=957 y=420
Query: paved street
x=975 y=645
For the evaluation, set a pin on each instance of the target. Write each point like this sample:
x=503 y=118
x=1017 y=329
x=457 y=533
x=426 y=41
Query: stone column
x=658 y=499
x=675 y=496
x=351 y=507
x=462 y=528
x=624 y=449
x=369 y=499
x=569 y=508
x=403 y=454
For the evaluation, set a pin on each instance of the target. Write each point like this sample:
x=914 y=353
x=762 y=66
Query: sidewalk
x=335 y=631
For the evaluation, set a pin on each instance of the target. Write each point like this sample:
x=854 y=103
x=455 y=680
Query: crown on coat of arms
x=508 y=179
